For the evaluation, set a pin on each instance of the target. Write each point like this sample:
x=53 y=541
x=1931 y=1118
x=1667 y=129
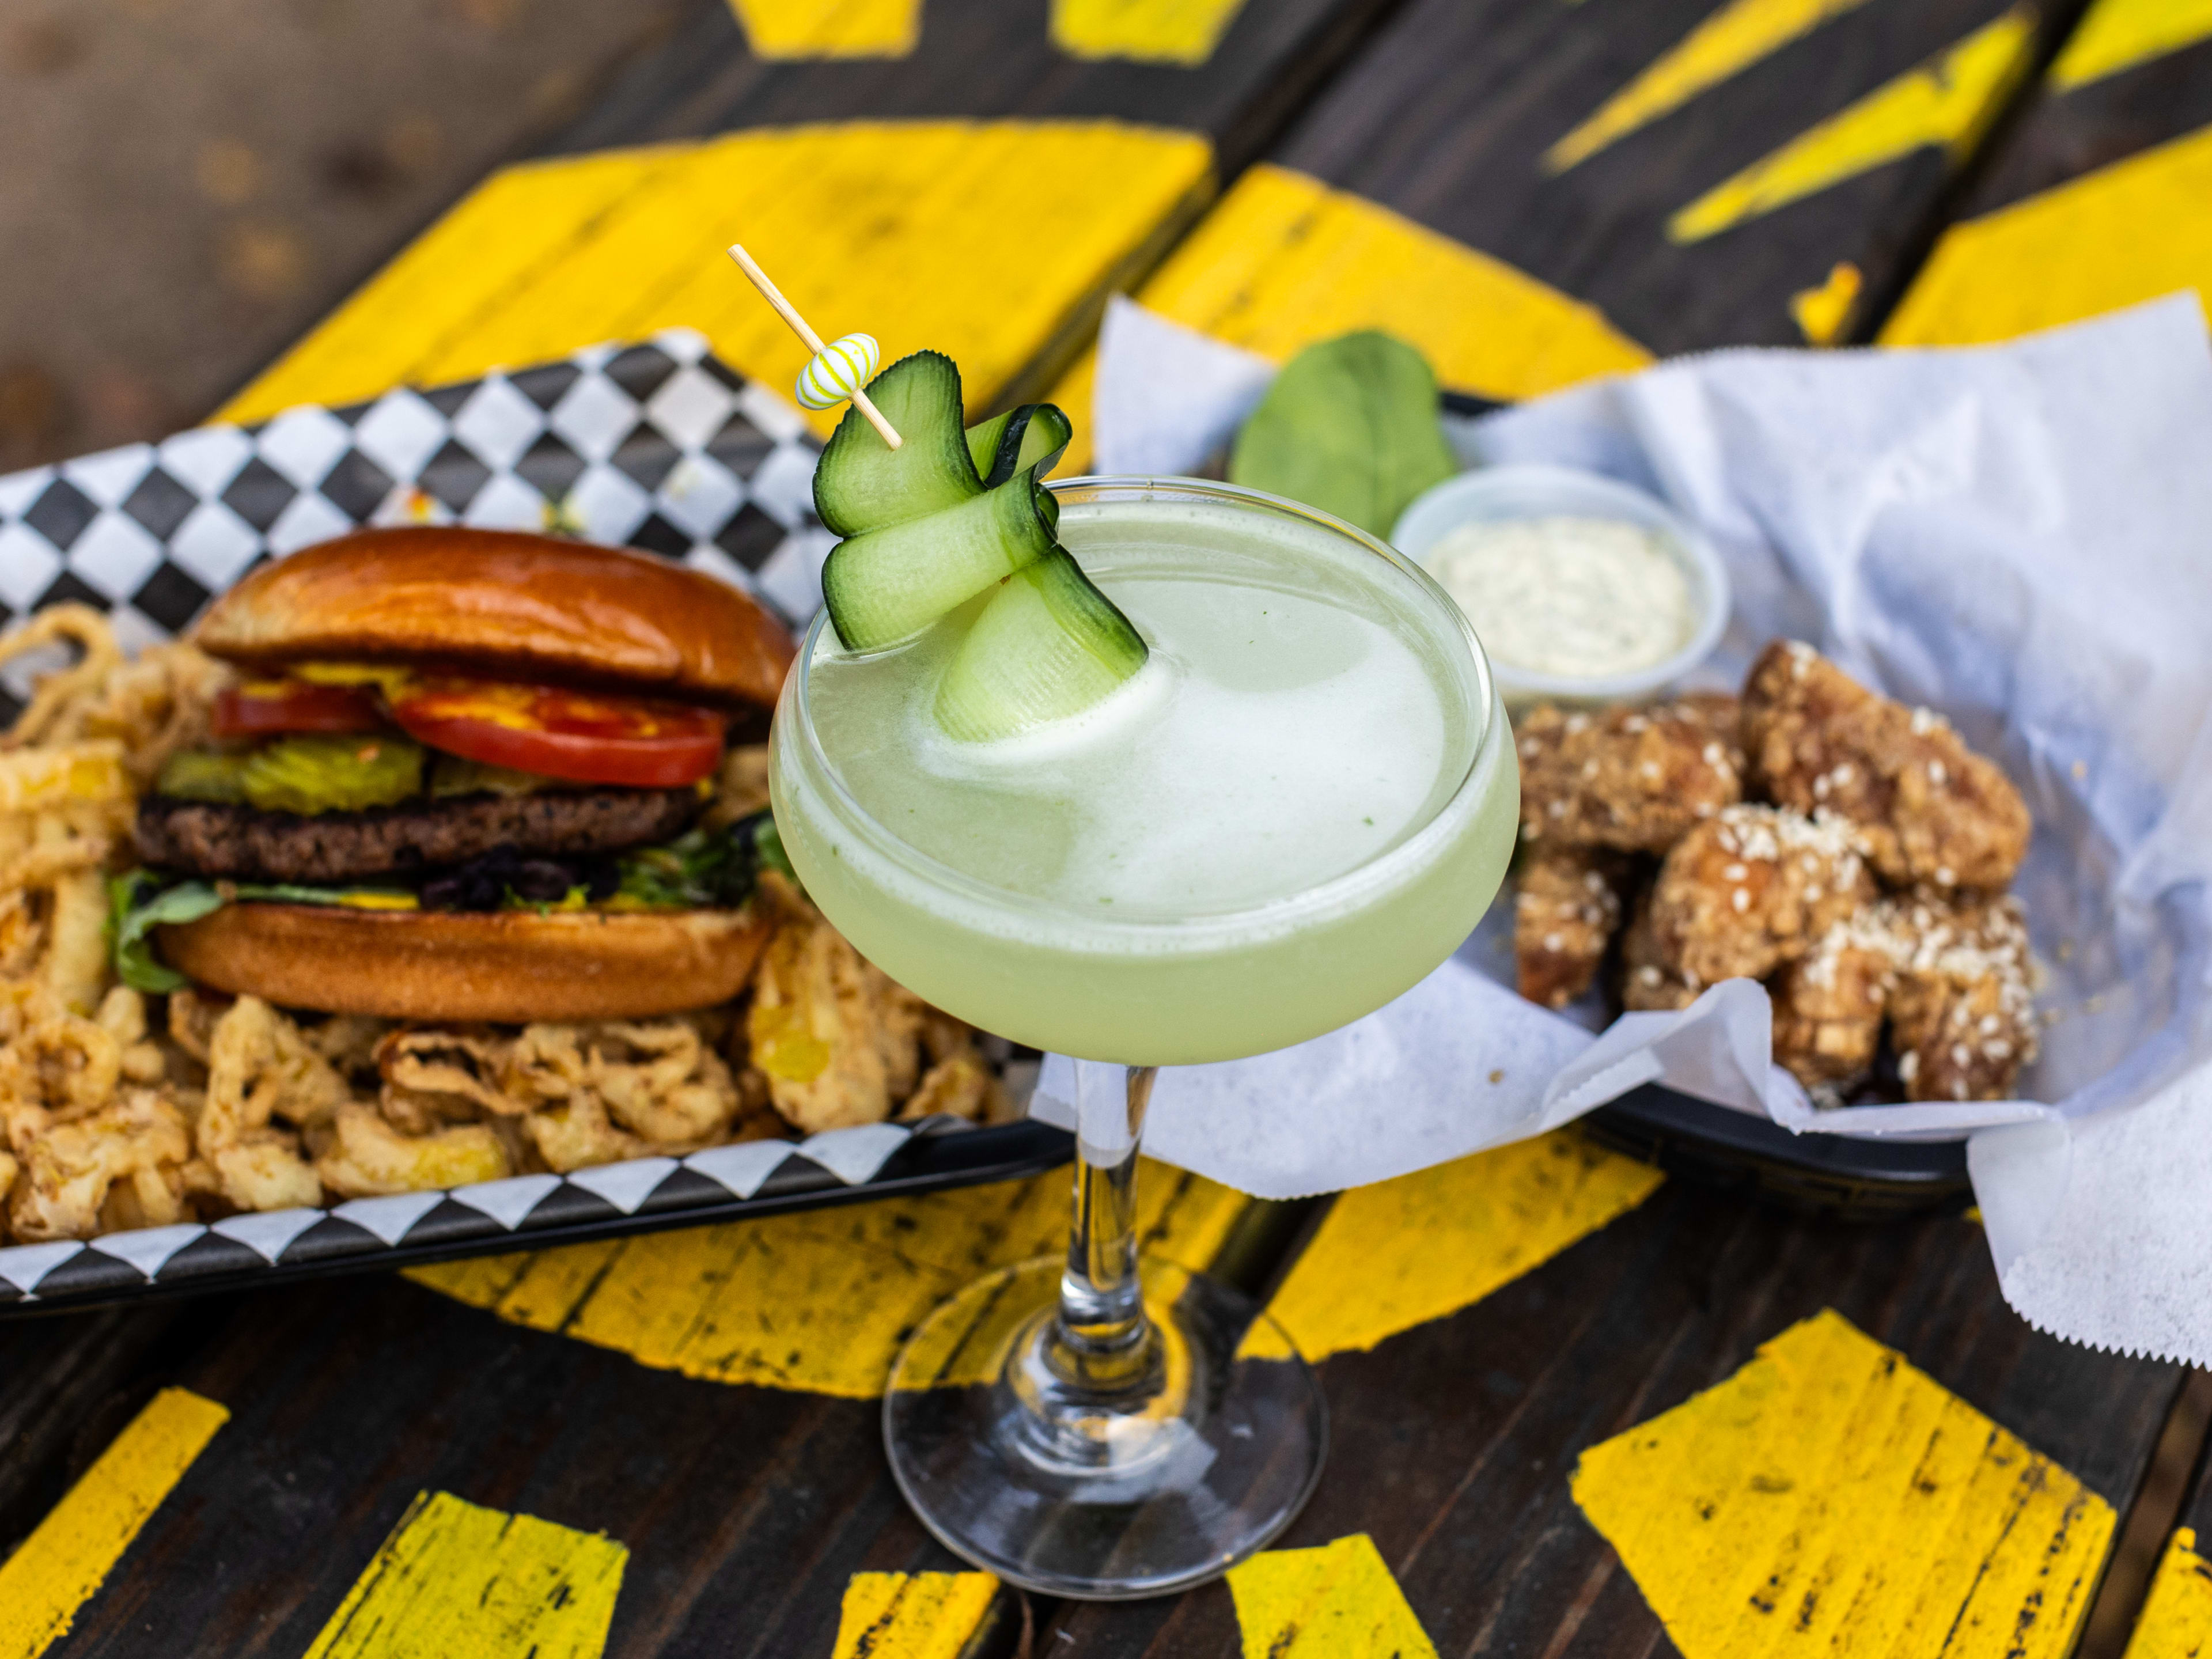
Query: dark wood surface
x=1447 y=115
x=984 y=59
x=1453 y=1443
x=745 y=1508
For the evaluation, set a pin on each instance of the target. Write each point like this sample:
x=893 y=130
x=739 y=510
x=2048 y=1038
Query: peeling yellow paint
x=1284 y=261
x=2117 y=34
x=55 y=1570
x=1947 y=102
x=2176 y=1621
x=1829 y=1497
x=866 y=225
x=1338 y=1601
x=829 y=28
x=455 y=1578
x=919 y=1615
x=819 y=1300
x=2129 y=232
x=1182 y=31
x=1738 y=35
x=1823 y=312
x=1401 y=1253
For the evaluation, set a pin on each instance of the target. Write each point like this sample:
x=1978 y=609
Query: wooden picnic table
x=1577 y=1405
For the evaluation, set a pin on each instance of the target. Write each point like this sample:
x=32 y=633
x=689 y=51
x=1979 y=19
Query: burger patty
x=249 y=845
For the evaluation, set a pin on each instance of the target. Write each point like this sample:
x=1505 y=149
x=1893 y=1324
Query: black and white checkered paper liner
x=492 y=1213
x=655 y=445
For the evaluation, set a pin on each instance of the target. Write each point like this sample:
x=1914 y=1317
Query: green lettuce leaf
x=1349 y=426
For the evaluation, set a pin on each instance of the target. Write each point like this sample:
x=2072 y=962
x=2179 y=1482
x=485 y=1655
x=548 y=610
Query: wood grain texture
x=2176 y=1622
x=982 y=59
x=456 y=1577
x=1775 y=1508
x=2094 y=200
x=1453 y=1443
x=56 y=1570
x=1457 y=114
x=880 y=226
x=745 y=1511
x=821 y=1300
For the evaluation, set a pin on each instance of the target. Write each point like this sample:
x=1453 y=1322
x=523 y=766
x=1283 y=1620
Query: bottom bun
x=510 y=966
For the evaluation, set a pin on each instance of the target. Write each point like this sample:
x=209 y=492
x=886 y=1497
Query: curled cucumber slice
x=1028 y=439
x=862 y=484
x=1048 y=645
x=888 y=585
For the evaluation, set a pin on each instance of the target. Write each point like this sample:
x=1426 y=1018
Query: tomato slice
x=260 y=708
x=576 y=735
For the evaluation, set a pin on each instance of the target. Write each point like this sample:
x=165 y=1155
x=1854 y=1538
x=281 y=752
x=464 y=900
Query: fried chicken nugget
x=1565 y=913
x=1829 y=1003
x=1648 y=984
x=1754 y=889
x=1633 y=779
x=1962 y=1016
x=1933 y=811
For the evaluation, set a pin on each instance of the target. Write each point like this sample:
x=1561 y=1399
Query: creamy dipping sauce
x=1585 y=599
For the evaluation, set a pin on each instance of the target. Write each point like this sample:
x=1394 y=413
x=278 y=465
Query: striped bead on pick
x=838 y=370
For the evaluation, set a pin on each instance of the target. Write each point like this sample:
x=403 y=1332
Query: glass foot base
x=1104 y=1494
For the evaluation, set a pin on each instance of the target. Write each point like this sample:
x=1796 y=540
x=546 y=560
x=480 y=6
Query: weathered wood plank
x=1457 y=1442
x=987 y=58
x=2096 y=199
x=1700 y=174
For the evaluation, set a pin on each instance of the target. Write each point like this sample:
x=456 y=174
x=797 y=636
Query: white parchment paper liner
x=2018 y=536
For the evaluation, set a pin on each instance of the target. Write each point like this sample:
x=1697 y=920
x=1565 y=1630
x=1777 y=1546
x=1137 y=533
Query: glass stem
x=1102 y=1337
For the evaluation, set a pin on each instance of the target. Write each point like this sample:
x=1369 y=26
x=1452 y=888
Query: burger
x=462 y=775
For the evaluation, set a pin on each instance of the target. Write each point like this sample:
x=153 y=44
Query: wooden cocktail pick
x=837 y=371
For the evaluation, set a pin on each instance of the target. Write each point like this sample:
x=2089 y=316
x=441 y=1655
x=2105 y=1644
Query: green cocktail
x=1298 y=806
x=1290 y=816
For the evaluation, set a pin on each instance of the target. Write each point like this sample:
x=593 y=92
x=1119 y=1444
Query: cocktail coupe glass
x=1071 y=1425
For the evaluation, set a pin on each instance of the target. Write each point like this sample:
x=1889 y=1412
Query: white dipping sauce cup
x=1496 y=493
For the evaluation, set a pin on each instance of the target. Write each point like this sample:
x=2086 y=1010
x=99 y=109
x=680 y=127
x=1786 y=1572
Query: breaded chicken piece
x=1636 y=780
x=1647 y=983
x=1565 y=913
x=1933 y=811
x=1962 y=1016
x=1754 y=889
x=1829 y=1003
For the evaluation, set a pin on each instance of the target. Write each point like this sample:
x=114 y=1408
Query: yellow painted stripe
x=1822 y=313
x=2119 y=34
x=1947 y=102
x=917 y=1615
x=456 y=1578
x=1727 y=43
x=2176 y=1621
x=1284 y=261
x=1829 y=1498
x=829 y=28
x=1401 y=1253
x=881 y=227
x=1338 y=1601
x=819 y=1301
x=2125 y=233
x=55 y=1570
x=1182 y=31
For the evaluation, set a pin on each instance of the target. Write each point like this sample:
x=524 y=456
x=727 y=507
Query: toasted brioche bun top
x=506 y=604
x=512 y=966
